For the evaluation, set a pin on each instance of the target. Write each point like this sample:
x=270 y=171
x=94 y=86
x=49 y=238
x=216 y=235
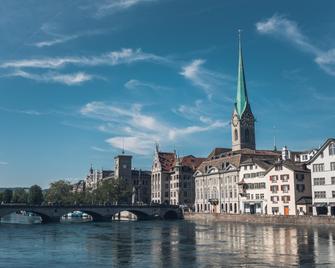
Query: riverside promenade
x=262 y=219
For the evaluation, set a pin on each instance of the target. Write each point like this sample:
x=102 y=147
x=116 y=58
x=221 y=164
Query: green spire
x=241 y=97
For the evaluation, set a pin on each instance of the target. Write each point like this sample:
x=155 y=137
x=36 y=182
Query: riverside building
x=172 y=178
x=322 y=167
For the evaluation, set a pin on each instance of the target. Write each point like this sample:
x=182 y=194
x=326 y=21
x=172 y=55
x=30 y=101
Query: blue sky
x=78 y=79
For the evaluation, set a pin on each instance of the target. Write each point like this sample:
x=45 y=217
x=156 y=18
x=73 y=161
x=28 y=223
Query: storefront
x=321 y=208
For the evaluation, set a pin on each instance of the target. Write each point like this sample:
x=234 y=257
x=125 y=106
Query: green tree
x=20 y=196
x=60 y=192
x=7 y=196
x=35 y=195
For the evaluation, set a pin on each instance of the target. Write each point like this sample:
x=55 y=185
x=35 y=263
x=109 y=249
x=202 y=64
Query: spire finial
x=122 y=145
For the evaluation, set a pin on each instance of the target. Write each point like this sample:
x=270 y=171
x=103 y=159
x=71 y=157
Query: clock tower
x=243 y=121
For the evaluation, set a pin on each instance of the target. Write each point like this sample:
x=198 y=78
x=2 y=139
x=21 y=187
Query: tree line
x=61 y=192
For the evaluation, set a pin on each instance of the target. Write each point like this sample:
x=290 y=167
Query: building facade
x=172 y=178
x=289 y=189
x=322 y=167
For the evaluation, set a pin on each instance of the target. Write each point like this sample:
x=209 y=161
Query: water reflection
x=165 y=244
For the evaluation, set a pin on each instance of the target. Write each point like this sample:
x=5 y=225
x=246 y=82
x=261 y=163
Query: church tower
x=243 y=121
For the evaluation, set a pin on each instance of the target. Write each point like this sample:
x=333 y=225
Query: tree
x=35 y=195
x=60 y=192
x=7 y=196
x=20 y=196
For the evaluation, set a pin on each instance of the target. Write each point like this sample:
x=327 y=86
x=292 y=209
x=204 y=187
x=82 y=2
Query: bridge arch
x=140 y=215
x=171 y=215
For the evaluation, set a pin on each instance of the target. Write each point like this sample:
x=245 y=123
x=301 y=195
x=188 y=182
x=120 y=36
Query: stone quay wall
x=262 y=219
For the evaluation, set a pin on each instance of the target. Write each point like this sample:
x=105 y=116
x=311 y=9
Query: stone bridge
x=97 y=212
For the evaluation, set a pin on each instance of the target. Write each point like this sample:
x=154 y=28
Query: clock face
x=235 y=120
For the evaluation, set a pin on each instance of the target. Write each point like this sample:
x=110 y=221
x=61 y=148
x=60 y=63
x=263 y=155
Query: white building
x=254 y=186
x=289 y=189
x=322 y=167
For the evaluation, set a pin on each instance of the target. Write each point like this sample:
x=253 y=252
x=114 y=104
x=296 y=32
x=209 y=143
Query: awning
x=320 y=205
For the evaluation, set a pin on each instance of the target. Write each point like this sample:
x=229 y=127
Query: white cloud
x=112 y=6
x=98 y=149
x=3 y=163
x=26 y=112
x=136 y=84
x=204 y=78
x=288 y=30
x=67 y=79
x=136 y=130
x=60 y=38
x=123 y=56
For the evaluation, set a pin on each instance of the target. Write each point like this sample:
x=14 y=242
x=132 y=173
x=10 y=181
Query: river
x=165 y=244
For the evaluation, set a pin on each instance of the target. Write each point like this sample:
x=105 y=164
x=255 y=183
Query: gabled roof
x=237 y=157
x=167 y=160
x=264 y=164
x=294 y=166
x=323 y=147
x=191 y=161
x=218 y=151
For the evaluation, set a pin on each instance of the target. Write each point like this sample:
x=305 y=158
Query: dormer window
x=332 y=148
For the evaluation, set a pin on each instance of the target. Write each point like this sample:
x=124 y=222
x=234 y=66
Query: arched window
x=332 y=148
x=246 y=135
x=235 y=134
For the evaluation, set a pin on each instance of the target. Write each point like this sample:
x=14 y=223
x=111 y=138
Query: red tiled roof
x=167 y=160
x=191 y=161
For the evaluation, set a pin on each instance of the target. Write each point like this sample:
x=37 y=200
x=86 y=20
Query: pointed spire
x=241 y=97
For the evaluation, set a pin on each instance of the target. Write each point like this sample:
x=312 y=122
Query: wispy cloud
x=26 y=112
x=53 y=77
x=123 y=56
x=139 y=131
x=281 y=27
x=204 y=78
x=3 y=163
x=136 y=84
x=98 y=149
x=60 y=38
x=111 y=6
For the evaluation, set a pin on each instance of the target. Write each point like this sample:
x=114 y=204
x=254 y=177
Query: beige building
x=219 y=188
x=172 y=178
x=289 y=189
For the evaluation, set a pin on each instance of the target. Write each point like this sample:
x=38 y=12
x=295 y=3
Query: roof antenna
x=122 y=145
x=274 y=139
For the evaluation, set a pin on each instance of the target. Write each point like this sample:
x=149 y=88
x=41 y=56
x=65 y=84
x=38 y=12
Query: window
x=333 y=194
x=284 y=177
x=279 y=167
x=318 y=167
x=257 y=196
x=332 y=165
x=166 y=194
x=319 y=194
x=274 y=178
x=300 y=177
x=235 y=134
x=285 y=198
x=285 y=188
x=333 y=180
x=300 y=188
x=274 y=188
x=262 y=196
x=332 y=148
x=246 y=135
x=274 y=199
x=319 y=181
x=275 y=210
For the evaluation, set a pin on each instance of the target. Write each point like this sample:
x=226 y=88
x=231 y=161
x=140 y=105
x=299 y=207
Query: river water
x=165 y=244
